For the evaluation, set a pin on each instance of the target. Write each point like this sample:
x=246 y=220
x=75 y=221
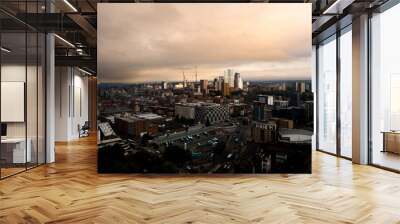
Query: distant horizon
x=189 y=81
x=180 y=81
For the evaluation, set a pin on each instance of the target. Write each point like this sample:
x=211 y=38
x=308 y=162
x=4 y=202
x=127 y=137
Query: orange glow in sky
x=153 y=42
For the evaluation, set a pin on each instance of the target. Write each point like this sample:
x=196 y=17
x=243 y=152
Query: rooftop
x=199 y=104
x=289 y=131
x=141 y=116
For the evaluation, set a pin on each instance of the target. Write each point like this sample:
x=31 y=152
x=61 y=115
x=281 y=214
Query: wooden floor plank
x=71 y=191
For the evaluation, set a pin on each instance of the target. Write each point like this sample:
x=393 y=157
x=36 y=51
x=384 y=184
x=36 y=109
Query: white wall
x=16 y=73
x=33 y=126
x=62 y=82
x=80 y=111
x=71 y=94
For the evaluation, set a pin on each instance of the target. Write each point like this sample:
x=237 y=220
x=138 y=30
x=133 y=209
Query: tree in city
x=168 y=167
x=219 y=147
x=307 y=96
x=208 y=123
x=177 y=155
x=146 y=138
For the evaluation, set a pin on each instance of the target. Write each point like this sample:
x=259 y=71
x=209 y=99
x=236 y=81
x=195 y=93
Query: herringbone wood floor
x=70 y=191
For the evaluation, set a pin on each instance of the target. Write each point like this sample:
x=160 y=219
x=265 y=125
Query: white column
x=50 y=98
x=314 y=91
x=63 y=102
x=360 y=90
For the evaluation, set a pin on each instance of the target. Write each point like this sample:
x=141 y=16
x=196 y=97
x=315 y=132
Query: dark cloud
x=147 y=42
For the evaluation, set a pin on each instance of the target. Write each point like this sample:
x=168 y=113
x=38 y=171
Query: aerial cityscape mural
x=230 y=92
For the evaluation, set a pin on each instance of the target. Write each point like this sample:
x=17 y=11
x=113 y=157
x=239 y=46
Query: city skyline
x=217 y=127
x=181 y=40
x=198 y=81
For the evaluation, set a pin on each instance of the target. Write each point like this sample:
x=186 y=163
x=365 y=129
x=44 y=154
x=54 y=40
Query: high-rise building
x=179 y=86
x=261 y=111
x=308 y=86
x=262 y=98
x=238 y=82
x=164 y=85
x=263 y=132
x=184 y=80
x=270 y=100
x=136 y=107
x=309 y=110
x=246 y=86
x=226 y=91
x=229 y=77
x=198 y=90
x=283 y=122
x=281 y=104
x=300 y=87
x=204 y=86
x=283 y=86
x=219 y=83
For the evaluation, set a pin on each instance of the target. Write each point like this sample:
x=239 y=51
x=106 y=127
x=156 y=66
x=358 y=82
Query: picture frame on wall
x=180 y=92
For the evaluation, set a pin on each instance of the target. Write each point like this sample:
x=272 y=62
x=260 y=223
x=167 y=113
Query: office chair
x=84 y=130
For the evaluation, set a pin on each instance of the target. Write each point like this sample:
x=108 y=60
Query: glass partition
x=22 y=88
x=346 y=93
x=41 y=97
x=327 y=95
x=13 y=121
x=385 y=89
x=31 y=97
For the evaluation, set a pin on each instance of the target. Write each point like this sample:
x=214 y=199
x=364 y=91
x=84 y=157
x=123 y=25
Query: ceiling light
x=64 y=40
x=84 y=71
x=70 y=5
x=79 y=51
x=5 y=50
x=337 y=7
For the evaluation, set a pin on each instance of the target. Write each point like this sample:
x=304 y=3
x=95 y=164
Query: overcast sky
x=154 y=42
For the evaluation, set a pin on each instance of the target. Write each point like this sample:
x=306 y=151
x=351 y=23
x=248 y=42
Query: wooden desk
x=13 y=150
x=391 y=141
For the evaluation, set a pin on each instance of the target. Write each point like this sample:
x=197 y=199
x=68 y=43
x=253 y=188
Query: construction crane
x=196 y=73
x=184 y=78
